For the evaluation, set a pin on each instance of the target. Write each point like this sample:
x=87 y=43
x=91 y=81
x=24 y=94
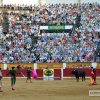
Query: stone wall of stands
x=51 y=65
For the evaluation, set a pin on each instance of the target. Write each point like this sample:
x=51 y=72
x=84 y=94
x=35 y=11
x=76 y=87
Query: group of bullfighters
x=77 y=74
x=13 y=73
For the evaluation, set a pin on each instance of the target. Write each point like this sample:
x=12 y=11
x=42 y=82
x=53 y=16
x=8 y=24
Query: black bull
x=79 y=73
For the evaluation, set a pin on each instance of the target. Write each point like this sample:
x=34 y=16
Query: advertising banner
x=48 y=74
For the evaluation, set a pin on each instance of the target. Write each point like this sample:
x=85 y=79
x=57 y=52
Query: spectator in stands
x=19 y=67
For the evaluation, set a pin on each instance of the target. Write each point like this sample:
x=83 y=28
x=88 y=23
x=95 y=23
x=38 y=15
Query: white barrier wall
x=70 y=1
x=28 y=2
x=46 y=1
x=86 y=1
x=60 y=1
x=1 y=2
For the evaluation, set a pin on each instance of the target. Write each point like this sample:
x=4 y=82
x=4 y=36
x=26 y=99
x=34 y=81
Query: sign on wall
x=48 y=74
x=56 y=27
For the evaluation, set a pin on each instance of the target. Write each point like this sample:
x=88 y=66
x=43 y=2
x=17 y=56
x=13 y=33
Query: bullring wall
x=59 y=71
x=51 y=65
x=58 y=74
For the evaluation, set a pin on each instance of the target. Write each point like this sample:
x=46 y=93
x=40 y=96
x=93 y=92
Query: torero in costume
x=93 y=77
x=0 y=81
x=28 y=71
x=13 y=77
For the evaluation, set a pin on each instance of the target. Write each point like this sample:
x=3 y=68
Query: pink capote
x=34 y=74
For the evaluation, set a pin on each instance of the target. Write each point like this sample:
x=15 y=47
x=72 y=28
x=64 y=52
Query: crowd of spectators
x=78 y=45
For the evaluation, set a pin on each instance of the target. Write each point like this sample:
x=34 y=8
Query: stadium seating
x=19 y=43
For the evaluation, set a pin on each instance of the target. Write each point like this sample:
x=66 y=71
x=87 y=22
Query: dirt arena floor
x=48 y=90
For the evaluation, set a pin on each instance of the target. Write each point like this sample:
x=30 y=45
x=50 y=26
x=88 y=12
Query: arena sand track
x=48 y=90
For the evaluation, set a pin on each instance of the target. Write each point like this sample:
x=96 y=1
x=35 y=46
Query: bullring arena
x=63 y=86
x=52 y=38
x=48 y=90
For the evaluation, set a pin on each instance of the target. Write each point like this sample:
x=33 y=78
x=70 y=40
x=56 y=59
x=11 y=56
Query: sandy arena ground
x=48 y=90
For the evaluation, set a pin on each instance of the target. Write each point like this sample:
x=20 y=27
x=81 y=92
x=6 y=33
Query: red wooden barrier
x=39 y=72
x=4 y=72
x=67 y=71
x=57 y=73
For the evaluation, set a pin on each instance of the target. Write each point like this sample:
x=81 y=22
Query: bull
x=79 y=73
